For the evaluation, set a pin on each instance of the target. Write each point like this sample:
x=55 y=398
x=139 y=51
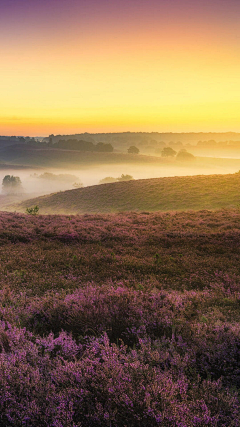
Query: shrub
x=33 y=211
x=125 y=178
x=184 y=155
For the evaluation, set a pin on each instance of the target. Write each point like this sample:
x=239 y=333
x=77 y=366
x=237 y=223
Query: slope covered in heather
x=161 y=194
x=132 y=318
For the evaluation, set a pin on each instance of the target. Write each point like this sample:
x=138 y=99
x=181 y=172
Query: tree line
x=81 y=145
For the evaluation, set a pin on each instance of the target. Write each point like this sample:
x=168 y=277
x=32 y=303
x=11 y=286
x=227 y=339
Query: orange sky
x=147 y=67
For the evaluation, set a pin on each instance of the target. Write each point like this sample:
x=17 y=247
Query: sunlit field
x=160 y=194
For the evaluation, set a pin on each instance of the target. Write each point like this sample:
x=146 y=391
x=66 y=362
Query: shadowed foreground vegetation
x=165 y=194
x=120 y=320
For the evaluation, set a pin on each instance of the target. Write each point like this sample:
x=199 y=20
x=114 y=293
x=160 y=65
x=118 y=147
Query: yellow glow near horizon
x=144 y=81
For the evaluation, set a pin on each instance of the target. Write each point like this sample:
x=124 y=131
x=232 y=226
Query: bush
x=125 y=178
x=78 y=185
x=184 y=155
x=110 y=179
x=33 y=211
x=107 y=180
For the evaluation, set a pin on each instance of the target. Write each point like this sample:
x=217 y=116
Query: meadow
x=155 y=194
x=120 y=320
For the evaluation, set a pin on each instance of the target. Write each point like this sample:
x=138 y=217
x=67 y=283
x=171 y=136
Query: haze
x=49 y=165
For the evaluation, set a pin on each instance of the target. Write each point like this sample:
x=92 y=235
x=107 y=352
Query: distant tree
x=61 y=177
x=31 y=141
x=168 y=152
x=125 y=178
x=11 y=184
x=184 y=155
x=105 y=148
x=74 y=144
x=82 y=145
x=50 y=141
x=133 y=150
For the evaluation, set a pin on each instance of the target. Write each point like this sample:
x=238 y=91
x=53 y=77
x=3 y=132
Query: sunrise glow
x=100 y=66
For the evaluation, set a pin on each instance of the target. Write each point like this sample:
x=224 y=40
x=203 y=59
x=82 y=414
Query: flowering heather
x=120 y=320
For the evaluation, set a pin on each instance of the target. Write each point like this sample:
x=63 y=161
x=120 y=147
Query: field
x=120 y=320
x=165 y=194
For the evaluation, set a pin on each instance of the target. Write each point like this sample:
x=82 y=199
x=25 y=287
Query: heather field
x=120 y=320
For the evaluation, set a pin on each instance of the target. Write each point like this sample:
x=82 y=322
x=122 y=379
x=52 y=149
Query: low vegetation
x=32 y=211
x=165 y=194
x=120 y=320
x=81 y=145
x=110 y=179
x=184 y=156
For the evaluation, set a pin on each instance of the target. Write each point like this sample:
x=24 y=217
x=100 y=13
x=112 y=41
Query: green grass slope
x=161 y=194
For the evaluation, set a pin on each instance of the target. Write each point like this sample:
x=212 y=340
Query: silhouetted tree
x=168 y=152
x=133 y=150
x=11 y=184
x=125 y=177
x=105 y=148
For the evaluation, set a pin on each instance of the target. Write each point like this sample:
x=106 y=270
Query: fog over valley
x=56 y=164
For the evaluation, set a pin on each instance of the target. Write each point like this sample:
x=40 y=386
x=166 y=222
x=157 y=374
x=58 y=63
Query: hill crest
x=155 y=194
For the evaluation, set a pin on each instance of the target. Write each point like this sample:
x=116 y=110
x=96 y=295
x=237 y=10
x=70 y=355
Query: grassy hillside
x=122 y=320
x=161 y=194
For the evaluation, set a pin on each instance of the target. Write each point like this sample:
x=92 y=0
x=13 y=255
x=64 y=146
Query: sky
x=71 y=66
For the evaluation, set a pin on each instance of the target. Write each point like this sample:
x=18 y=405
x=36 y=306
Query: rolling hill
x=160 y=194
x=54 y=157
x=33 y=156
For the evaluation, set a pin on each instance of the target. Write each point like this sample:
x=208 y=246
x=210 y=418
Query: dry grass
x=160 y=194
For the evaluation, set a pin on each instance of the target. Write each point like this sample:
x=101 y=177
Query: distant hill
x=134 y=137
x=54 y=157
x=33 y=156
x=161 y=194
